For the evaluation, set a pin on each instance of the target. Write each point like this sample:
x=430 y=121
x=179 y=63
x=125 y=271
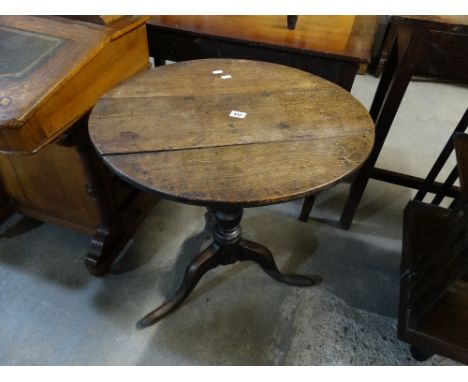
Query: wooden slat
x=439 y=263
x=169 y=131
x=447 y=319
x=461 y=149
x=251 y=174
x=440 y=286
x=154 y=112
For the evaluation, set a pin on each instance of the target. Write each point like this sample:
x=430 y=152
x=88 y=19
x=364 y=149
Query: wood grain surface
x=450 y=23
x=169 y=130
x=345 y=36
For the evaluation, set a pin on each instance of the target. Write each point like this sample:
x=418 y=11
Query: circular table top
x=231 y=132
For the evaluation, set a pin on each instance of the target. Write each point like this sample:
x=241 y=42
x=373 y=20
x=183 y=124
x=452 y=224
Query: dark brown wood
x=333 y=47
x=442 y=327
x=175 y=45
x=307 y=207
x=6 y=206
x=439 y=70
x=451 y=178
x=415 y=45
x=292 y=21
x=228 y=134
x=56 y=71
x=301 y=134
x=411 y=181
x=120 y=208
x=442 y=159
x=461 y=150
x=383 y=111
x=227 y=248
x=347 y=37
x=434 y=292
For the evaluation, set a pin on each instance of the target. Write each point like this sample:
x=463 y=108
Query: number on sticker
x=237 y=114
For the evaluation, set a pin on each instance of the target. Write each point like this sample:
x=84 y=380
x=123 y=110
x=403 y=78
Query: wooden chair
x=428 y=184
x=429 y=46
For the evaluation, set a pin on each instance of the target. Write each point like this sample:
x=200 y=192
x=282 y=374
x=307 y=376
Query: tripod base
x=227 y=248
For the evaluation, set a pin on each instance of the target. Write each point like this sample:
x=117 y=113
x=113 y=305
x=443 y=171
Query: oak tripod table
x=226 y=135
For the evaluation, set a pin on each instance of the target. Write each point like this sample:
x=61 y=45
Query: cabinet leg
x=108 y=242
x=354 y=197
x=159 y=61
x=105 y=247
x=419 y=354
x=6 y=210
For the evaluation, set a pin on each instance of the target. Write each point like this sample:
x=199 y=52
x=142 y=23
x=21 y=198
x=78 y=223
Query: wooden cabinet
x=434 y=273
x=56 y=69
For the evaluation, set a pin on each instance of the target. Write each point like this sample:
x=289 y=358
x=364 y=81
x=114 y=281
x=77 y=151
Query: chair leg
x=442 y=159
x=383 y=111
x=447 y=184
x=354 y=197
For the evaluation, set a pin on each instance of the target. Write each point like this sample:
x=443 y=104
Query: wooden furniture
x=427 y=68
x=52 y=71
x=447 y=188
x=434 y=288
x=420 y=45
x=333 y=47
x=229 y=134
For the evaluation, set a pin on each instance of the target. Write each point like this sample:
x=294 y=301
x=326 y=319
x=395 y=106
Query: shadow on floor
x=162 y=278
x=52 y=253
x=23 y=225
x=218 y=334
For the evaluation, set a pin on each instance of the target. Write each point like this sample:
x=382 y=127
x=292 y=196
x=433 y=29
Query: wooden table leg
x=292 y=21
x=6 y=205
x=442 y=159
x=306 y=208
x=388 y=97
x=227 y=248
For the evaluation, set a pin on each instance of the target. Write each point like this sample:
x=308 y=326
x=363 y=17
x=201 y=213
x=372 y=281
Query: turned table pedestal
x=226 y=135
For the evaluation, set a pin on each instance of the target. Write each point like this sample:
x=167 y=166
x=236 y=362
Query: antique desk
x=52 y=71
x=230 y=134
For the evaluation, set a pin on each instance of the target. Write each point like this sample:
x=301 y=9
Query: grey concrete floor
x=53 y=313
